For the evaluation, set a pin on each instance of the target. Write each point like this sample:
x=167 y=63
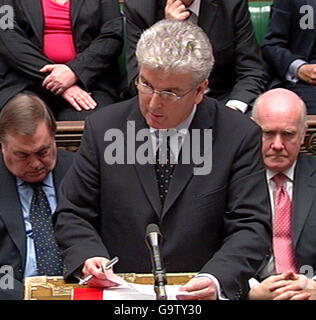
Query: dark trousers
x=63 y=111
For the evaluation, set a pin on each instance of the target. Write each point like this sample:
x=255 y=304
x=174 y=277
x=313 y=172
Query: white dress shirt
x=269 y=268
x=195 y=7
x=25 y=192
x=176 y=140
x=291 y=74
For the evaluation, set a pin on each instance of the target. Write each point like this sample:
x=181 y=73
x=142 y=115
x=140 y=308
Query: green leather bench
x=260 y=13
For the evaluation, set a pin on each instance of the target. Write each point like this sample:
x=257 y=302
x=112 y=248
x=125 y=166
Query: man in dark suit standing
x=282 y=117
x=238 y=76
x=289 y=48
x=30 y=169
x=213 y=214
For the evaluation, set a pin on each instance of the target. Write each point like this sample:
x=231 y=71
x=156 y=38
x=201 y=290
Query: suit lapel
x=304 y=194
x=59 y=171
x=75 y=6
x=183 y=172
x=159 y=10
x=33 y=10
x=181 y=176
x=207 y=15
x=146 y=172
x=10 y=210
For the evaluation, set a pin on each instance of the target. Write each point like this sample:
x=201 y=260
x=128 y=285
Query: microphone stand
x=159 y=277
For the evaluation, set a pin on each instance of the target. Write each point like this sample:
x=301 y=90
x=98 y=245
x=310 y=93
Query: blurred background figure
x=289 y=48
x=238 y=76
x=64 y=51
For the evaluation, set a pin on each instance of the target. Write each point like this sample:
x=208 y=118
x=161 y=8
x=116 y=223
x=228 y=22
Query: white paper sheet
x=132 y=291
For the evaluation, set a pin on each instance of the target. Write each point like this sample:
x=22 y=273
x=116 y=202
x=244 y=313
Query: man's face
x=30 y=158
x=282 y=136
x=162 y=114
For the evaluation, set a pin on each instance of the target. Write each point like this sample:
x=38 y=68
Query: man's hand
x=176 y=10
x=297 y=287
x=60 y=78
x=94 y=266
x=202 y=288
x=307 y=73
x=286 y=286
x=79 y=98
x=263 y=290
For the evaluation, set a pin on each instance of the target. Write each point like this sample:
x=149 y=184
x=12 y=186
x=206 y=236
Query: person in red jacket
x=64 y=51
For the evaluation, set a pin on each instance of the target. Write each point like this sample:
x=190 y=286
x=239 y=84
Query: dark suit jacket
x=238 y=72
x=97 y=31
x=304 y=212
x=12 y=230
x=216 y=223
x=286 y=40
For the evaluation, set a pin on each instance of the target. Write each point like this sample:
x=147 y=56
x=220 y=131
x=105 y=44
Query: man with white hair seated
x=291 y=178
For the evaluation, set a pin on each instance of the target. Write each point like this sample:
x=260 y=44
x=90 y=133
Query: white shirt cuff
x=242 y=106
x=291 y=74
x=220 y=294
x=253 y=282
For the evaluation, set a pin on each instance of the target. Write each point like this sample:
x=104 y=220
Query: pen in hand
x=105 y=267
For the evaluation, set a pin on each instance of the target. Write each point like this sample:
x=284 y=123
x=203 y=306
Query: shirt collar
x=289 y=173
x=195 y=7
x=48 y=181
x=183 y=125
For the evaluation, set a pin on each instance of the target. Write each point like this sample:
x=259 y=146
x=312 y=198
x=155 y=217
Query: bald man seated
x=291 y=178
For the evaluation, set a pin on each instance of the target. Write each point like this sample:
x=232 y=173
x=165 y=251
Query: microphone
x=152 y=240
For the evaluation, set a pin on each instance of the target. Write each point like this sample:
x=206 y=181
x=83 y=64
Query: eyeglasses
x=165 y=95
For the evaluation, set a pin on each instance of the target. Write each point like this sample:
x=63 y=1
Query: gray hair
x=22 y=114
x=176 y=46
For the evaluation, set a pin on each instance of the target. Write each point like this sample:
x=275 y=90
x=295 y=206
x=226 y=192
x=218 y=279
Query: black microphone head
x=152 y=235
x=152 y=228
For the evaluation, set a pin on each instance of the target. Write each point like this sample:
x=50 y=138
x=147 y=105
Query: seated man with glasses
x=215 y=223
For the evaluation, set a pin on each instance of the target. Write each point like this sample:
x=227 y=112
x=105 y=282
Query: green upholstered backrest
x=260 y=13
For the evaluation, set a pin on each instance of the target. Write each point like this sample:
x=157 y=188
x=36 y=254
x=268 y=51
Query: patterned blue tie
x=47 y=254
x=164 y=168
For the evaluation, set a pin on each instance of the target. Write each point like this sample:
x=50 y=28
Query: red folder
x=87 y=294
